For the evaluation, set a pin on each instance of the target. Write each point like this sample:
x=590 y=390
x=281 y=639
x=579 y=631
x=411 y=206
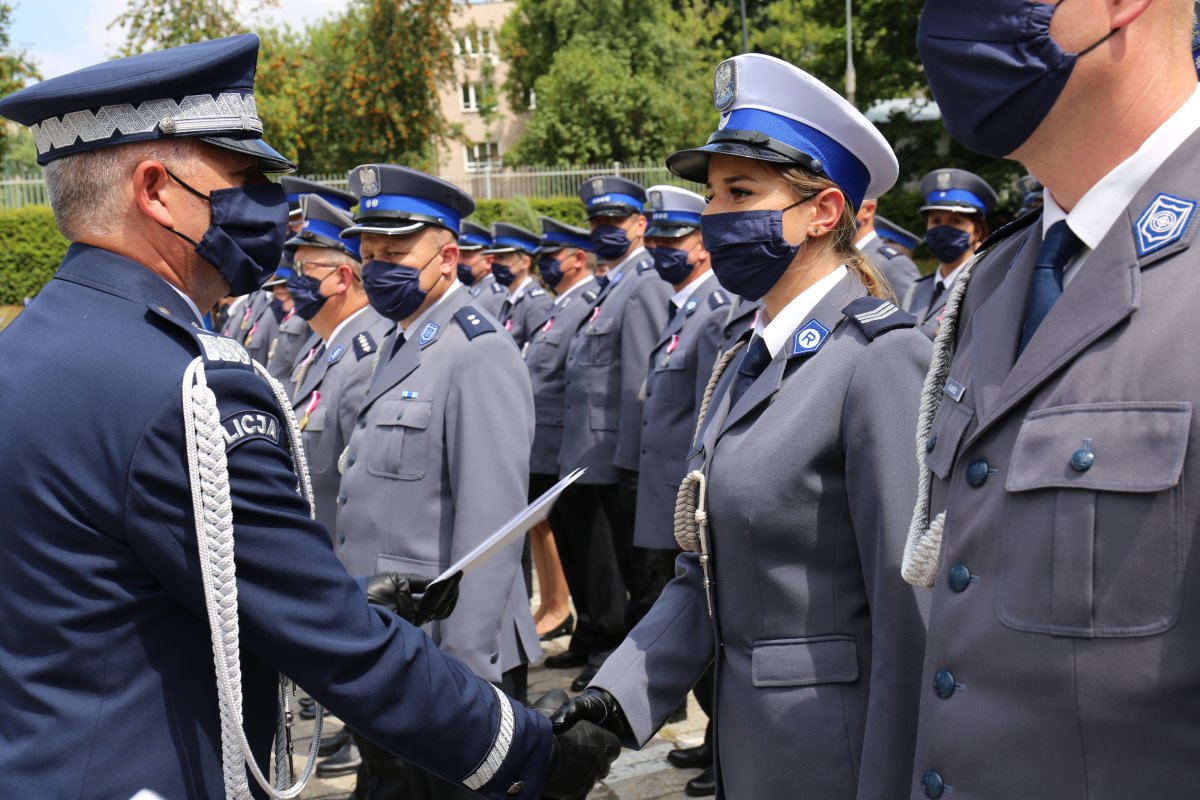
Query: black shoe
x=703 y=785
x=344 y=762
x=308 y=712
x=567 y=626
x=692 y=757
x=678 y=715
x=583 y=679
x=307 y=702
x=565 y=660
x=331 y=744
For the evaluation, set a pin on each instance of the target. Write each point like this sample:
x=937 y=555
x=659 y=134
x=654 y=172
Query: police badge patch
x=243 y=426
x=1163 y=223
x=809 y=338
x=368 y=181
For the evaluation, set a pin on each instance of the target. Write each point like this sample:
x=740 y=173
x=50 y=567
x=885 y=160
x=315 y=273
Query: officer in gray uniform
x=475 y=268
x=527 y=304
x=1032 y=194
x=789 y=585
x=889 y=261
x=957 y=203
x=901 y=238
x=606 y=367
x=259 y=325
x=439 y=457
x=1060 y=447
x=295 y=188
x=293 y=332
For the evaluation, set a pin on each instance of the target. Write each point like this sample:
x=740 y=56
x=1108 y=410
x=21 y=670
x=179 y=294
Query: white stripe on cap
x=503 y=741
x=199 y=113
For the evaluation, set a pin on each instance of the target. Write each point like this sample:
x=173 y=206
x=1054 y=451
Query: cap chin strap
x=761 y=140
x=208 y=476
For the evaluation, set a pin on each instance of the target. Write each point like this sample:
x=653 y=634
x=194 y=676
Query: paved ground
x=637 y=775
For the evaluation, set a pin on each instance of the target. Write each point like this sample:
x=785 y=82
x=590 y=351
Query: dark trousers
x=384 y=776
x=640 y=567
x=585 y=548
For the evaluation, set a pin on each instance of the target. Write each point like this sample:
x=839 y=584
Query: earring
x=816 y=232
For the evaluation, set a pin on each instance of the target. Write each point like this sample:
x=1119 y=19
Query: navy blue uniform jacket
x=106 y=667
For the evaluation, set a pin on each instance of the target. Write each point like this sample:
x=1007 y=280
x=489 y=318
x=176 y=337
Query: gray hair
x=88 y=191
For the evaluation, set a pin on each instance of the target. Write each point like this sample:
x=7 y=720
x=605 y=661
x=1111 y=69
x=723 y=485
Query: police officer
x=1032 y=194
x=956 y=206
x=790 y=587
x=106 y=652
x=475 y=268
x=292 y=332
x=1053 y=523
x=606 y=367
x=296 y=188
x=527 y=304
x=889 y=261
x=439 y=458
x=902 y=239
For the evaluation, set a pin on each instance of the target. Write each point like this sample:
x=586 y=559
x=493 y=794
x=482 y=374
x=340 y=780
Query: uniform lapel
x=408 y=357
x=315 y=372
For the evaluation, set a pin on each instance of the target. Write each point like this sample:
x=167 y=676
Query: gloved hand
x=580 y=755
x=594 y=705
x=395 y=591
x=627 y=486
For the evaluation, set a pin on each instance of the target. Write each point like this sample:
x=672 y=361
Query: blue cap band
x=956 y=196
x=474 y=240
x=410 y=205
x=512 y=241
x=842 y=167
x=675 y=216
x=612 y=198
x=567 y=240
x=284 y=272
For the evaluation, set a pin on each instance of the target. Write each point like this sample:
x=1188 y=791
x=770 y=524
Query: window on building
x=474 y=95
x=482 y=155
x=531 y=99
x=471 y=44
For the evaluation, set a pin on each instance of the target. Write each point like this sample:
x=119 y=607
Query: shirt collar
x=521 y=288
x=949 y=280
x=681 y=297
x=344 y=323
x=620 y=265
x=778 y=331
x=419 y=321
x=577 y=285
x=866 y=240
x=188 y=300
x=1098 y=210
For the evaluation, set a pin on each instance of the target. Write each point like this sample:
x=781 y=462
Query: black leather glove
x=627 y=485
x=594 y=705
x=580 y=755
x=396 y=592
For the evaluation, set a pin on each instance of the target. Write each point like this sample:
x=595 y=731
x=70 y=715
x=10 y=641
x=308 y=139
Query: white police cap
x=672 y=211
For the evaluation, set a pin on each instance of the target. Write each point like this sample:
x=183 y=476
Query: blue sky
x=64 y=35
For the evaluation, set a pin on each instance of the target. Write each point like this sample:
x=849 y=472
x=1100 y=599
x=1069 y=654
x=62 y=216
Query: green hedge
x=525 y=211
x=30 y=250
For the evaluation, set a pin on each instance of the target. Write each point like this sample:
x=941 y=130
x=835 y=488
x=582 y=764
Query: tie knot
x=756 y=360
x=1060 y=246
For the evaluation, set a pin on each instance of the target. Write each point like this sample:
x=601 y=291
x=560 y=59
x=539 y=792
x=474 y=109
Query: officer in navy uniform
x=106 y=648
x=292 y=332
x=901 y=238
x=789 y=585
x=956 y=206
x=1056 y=525
x=527 y=305
x=889 y=261
x=602 y=420
x=439 y=457
x=475 y=268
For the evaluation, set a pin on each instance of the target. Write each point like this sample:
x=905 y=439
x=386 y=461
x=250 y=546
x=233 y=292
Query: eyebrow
x=734 y=179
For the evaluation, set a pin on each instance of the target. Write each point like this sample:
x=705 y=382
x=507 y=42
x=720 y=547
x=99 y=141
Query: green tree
x=156 y=24
x=16 y=69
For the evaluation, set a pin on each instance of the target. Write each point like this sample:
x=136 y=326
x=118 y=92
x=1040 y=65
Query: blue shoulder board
x=887 y=251
x=877 y=316
x=644 y=265
x=364 y=345
x=718 y=299
x=217 y=350
x=472 y=322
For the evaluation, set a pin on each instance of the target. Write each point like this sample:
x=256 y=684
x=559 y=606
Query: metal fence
x=19 y=192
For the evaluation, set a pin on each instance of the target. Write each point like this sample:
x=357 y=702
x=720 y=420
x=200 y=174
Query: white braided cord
x=208 y=476
x=924 y=542
x=505 y=728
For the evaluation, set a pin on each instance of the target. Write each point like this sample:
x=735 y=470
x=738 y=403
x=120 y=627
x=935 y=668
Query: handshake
x=587 y=730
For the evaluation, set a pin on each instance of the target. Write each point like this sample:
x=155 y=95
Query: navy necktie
x=753 y=363
x=396 y=345
x=672 y=310
x=938 y=289
x=1059 y=246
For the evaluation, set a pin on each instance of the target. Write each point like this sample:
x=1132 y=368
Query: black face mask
x=244 y=240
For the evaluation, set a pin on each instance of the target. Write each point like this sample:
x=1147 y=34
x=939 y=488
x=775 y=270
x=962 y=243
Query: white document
x=531 y=515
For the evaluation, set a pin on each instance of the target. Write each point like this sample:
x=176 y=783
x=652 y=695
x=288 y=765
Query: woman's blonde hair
x=805 y=185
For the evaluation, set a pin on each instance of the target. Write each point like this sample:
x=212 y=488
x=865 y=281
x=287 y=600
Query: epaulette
x=364 y=345
x=644 y=265
x=536 y=292
x=888 y=252
x=498 y=289
x=590 y=295
x=1018 y=224
x=217 y=350
x=472 y=322
x=717 y=299
x=877 y=316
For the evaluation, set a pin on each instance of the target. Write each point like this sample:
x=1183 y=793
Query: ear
x=154 y=192
x=827 y=210
x=345 y=279
x=866 y=211
x=639 y=225
x=449 y=259
x=1124 y=12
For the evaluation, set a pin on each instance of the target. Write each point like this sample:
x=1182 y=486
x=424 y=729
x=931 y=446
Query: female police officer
x=799 y=470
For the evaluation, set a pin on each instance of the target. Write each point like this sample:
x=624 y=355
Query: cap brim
x=269 y=159
x=616 y=210
x=669 y=231
x=692 y=165
x=956 y=208
x=383 y=228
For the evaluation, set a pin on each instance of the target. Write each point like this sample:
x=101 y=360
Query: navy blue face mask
x=244 y=241
x=748 y=251
x=503 y=275
x=947 y=243
x=465 y=276
x=394 y=290
x=672 y=264
x=993 y=68
x=550 y=268
x=609 y=241
x=277 y=309
x=306 y=294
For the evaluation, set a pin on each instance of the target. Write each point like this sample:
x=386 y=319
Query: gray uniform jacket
x=488 y=295
x=917 y=303
x=818 y=642
x=258 y=331
x=439 y=459
x=1067 y=597
x=606 y=366
x=680 y=366
x=234 y=317
x=546 y=358
x=286 y=350
x=740 y=319
x=523 y=315
x=327 y=401
x=890 y=262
